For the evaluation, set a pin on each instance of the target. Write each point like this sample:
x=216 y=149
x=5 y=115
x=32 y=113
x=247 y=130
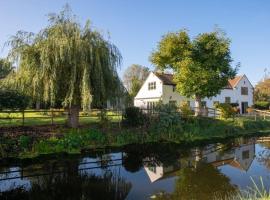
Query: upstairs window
x=227 y=99
x=244 y=90
x=152 y=86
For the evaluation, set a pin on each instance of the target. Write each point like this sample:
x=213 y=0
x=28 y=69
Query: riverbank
x=34 y=142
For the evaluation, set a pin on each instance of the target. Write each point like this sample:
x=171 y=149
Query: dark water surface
x=137 y=172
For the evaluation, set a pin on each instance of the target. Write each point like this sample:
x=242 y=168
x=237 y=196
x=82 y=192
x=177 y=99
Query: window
x=245 y=154
x=152 y=86
x=174 y=88
x=151 y=105
x=227 y=99
x=244 y=90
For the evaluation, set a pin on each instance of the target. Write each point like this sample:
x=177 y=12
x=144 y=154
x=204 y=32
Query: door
x=244 y=107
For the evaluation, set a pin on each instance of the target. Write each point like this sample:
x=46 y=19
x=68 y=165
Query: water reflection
x=166 y=171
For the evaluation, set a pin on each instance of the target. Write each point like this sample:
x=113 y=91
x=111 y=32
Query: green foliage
x=226 y=110
x=185 y=110
x=104 y=119
x=262 y=90
x=5 y=68
x=67 y=63
x=262 y=105
x=133 y=117
x=136 y=85
x=134 y=77
x=128 y=138
x=252 y=125
x=25 y=142
x=168 y=119
x=202 y=66
x=10 y=99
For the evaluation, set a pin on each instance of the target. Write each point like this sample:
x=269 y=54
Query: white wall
x=165 y=94
x=144 y=95
x=170 y=95
x=235 y=94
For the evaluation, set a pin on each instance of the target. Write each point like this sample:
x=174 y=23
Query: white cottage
x=160 y=87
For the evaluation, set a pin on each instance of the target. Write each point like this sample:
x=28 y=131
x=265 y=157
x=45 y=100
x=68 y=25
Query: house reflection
x=240 y=157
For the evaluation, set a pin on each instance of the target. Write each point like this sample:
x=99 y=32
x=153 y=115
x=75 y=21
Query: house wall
x=234 y=94
x=170 y=95
x=166 y=94
x=144 y=95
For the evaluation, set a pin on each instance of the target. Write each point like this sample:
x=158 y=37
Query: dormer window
x=244 y=90
x=152 y=86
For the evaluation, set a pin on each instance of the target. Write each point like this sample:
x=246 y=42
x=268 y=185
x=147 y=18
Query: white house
x=239 y=157
x=160 y=87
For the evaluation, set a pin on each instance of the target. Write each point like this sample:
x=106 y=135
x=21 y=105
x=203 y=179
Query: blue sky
x=136 y=26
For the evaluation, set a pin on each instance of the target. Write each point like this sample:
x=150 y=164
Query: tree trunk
x=73 y=116
x=198 y=106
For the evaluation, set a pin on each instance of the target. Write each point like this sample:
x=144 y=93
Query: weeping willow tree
x=66 y=63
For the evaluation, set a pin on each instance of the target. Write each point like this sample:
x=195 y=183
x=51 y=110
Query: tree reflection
x=204 y=182
x=73 y=186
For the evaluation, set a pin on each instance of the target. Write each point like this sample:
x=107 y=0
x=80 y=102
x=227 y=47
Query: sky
x=136 y=26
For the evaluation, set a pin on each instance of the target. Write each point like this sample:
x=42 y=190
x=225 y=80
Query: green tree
x=66 y=63
x=201 y=66
x=262 y=91
x=5 y=68
x=134 y=77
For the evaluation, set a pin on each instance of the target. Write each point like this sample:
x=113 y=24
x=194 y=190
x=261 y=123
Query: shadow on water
x=160 y=170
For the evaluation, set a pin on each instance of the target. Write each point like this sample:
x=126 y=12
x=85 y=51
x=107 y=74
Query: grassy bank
x=193 y=131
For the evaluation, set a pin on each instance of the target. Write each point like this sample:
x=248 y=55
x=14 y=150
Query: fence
x=256 y=115
x=59 y=116
x=52 y=116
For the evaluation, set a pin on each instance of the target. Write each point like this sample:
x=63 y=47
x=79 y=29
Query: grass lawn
x=44 y=118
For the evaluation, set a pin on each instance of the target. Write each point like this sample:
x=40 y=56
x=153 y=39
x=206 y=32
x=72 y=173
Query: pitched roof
x=234 y=82
x=167 y=79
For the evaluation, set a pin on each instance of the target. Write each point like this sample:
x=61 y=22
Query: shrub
x=104 y=118
x=234 y=104
x=226 y=110
x=133 y=116
x=25 y=142
x=168 y=119
x=185 y=109
x=10 y=99
x=262 y=105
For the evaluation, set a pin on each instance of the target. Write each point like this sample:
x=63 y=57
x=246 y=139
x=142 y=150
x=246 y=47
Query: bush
x=168 y=119
x=226 y=110
x=262 y=105
x=10 y=99
x=234 y=104
x=25 y=142
x=185 y=109
x=133 y=116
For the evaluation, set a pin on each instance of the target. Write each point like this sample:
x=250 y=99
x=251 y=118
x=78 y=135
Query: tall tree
x=66 y=63
x=262 y=90
x=201 y=66
x=5 y=68
x=134 y=77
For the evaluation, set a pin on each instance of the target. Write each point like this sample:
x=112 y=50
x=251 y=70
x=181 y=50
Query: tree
x=134 y=77
x=66 y=63
x=10 y=99
x=5 y=68
x=201 y=66
x=262 y=91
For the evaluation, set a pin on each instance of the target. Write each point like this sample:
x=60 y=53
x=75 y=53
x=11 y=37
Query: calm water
x=142 y=172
